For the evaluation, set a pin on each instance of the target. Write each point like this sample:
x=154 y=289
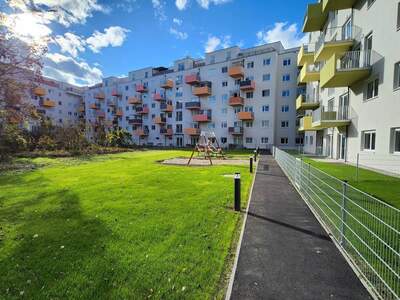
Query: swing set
x=207 y=147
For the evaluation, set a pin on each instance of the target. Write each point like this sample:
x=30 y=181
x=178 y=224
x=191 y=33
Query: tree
x=119 y=138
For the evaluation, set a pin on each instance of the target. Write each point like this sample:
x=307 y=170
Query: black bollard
x=237 y=191
x=255 y=155
x=251 y=165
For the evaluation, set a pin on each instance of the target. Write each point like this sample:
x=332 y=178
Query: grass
x=119 y=226
x=383 y=187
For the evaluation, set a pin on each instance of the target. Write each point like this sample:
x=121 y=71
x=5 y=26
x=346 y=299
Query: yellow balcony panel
x=314 y=18
x=346 y=70
x=303 y=104
x=48 y=103
x=334 y=47
x=306 y=124
x=305 y=56
x=39 y=91
x=308 y=73
x=236 y=71
x=331 y=5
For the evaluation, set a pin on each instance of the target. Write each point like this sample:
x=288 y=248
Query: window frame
x=396 y=75
x=395 y=131
x=372 y=140
x=375 y=89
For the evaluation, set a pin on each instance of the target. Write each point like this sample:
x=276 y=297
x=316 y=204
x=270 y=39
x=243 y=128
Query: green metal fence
x=366 y=229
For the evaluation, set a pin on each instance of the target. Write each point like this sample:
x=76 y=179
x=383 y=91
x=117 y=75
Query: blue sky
x=90 y=39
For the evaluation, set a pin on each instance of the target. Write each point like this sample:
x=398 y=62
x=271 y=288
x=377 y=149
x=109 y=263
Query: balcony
x=236 y=130
x=245 y=116
x=323 y=118
x=141 y=88
x=159 y=120
x=99 y=96
x=236 y=71
x=167 y=84
x=306 y=55
x=47 y=103
x=116 y=93
x=331 y=5
x=204 y=89
x=142 y=110
x=306 y=124
x=134 y=101
x=94 y=106
x=314 y=18
x=336 y=40
x=247 y=85
x=192 y=131
x=166 y=131
x=192 y=79
x=111 y=103
x=305 y=102
x=81 y=108
x=39 y=91
x=100 y=114
x=347 y=69
x=166 y=107
x=141 y=132
x=119 y=113
x=236 y=101
x=308 y=73
x=202 y=116
x=135 y=121
x=158 y=97
x=192 y=105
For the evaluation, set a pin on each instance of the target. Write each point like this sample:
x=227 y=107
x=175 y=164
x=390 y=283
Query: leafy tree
x=119 y=138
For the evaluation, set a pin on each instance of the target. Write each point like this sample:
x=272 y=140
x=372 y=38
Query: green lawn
x=386 y=188
x=117 y=227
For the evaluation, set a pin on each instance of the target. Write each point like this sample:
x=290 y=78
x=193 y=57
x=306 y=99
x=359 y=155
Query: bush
x=12 y=140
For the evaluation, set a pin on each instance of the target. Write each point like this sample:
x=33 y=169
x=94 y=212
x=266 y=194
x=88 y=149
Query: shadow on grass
x=50 y=249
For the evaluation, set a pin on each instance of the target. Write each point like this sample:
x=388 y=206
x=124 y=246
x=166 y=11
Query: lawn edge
x=232 y=264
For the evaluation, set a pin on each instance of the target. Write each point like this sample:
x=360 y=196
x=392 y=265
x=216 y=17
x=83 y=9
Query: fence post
x=343 y=214
x=358 y=162
x=237 y=191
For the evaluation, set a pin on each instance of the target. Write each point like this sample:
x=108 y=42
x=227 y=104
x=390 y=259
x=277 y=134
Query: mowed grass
x=119 y=226
x=383 y=187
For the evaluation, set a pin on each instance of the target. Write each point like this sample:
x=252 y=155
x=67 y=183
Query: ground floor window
x=396 y=140
x=264 y=140
x=284 y=140
x=369 y=138
x=249 y=140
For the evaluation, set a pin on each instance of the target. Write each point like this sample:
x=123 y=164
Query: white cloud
x=289 y=35
x=206 y=3
x=159 y=9
x=113 y=36
x=181 y=4
x=178 y=34
x=68 y=69
x=214 y=42
x=126 y=5
x=70 y=43
x=177 y=21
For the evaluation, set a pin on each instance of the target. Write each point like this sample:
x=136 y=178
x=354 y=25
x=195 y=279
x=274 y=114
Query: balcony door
x=367 y=49
x=342 y=146
x=179 y=142
x=343 y=110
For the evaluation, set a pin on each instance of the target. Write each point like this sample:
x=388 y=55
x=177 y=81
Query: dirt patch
x=204 y=162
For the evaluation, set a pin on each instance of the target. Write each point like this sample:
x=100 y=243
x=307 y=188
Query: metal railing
x=339 y=33
x=357 y=60
x=366 y=229
x=331 y=113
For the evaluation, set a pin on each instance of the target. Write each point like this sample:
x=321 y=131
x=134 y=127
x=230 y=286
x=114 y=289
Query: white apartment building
x=350 y=108
x=60 y=102
x=245 y=96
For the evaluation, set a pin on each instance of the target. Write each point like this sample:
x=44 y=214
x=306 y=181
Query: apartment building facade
x=59 y=102
x=245 y=97
x=350 y=73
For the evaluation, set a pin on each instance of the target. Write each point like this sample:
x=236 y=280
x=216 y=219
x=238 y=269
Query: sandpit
x=179 y=161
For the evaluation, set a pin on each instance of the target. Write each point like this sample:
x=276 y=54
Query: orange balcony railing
x=134 y=100
x=99 y=96
x=192 y=79
x=236 y=71
x=141 y=88
x=167 y=84
x=245 y=115
x=94 y=106
x=203 y=116
x=202 y=91
x=166 y=131
x=142 y=110
x=39 y=91
x=48 y=103
x=159 y=120
x=192 y=131
x=119 y=113
x=236 y=101
x=158 y=97
x=116 y=93
x=141 y=132
x=247 y=85
x=166 y=107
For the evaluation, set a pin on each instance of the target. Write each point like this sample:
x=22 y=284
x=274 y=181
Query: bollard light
x=237 y=191
x=251 y=165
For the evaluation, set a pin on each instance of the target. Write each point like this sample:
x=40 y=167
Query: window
x=266 y=61
x=299 y=140
x=369 y=140
x=265 y=108
x=311 y=139
x=178 y=128
x=284 y=140
x=285 y=93
x=224 y=140
x=396 y=82
x=285 y=108
x=287 y=62
x=249 y=95
x=396 y=140
x=249 y=140
x=266 y=77
x=224 y=83
x=372 y=88
x=178 y=116
x=248 y=108
x=250 y=65
x=153 y=105
x=264 y=140
x=398 y=16
x=248 y=124
x=224 y=124
x=266 y=93
x=224 y=69
x=265 y=123
x=286 y=77
x=284 y=124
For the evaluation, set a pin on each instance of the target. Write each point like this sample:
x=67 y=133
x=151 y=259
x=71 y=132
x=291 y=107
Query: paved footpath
x=285 y=253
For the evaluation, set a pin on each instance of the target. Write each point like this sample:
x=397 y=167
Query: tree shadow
x=51 y=249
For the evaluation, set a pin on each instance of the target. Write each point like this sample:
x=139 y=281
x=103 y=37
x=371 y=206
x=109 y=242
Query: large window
x=396 y=140
x=369 y=138
x=372 y=89
x=396 y=82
